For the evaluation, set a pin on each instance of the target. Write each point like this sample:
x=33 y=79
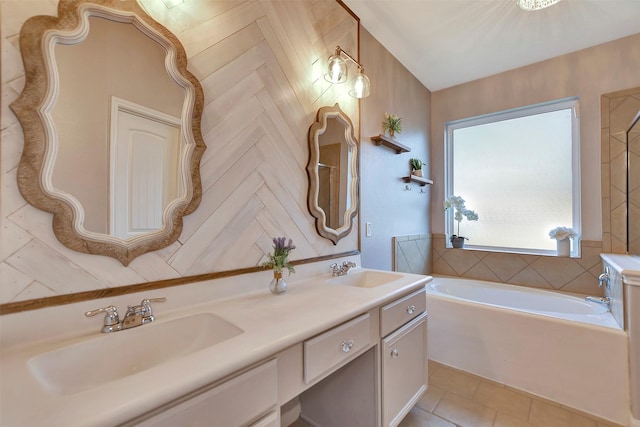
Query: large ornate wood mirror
x=111 y=121
x=333 y=173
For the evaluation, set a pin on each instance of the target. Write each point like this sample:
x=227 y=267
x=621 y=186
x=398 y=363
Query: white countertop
x=271 y=323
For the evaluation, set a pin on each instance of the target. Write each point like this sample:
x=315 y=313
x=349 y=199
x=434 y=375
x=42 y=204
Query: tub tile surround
x=575 y=275
x=459 y=399
x=412 y=253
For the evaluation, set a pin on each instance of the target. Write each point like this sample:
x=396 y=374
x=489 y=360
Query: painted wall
x=260 y=64
x=392 y=210
x=588 y=74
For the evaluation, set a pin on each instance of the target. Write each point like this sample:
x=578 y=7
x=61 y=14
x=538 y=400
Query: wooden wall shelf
x=418 y=179
x=391 y=143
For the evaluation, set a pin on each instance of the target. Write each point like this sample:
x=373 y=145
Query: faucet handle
x=111 y=319
x=147 y=313
x=604 y=278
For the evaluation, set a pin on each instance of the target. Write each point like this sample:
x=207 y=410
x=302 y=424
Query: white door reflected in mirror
x=145 y=149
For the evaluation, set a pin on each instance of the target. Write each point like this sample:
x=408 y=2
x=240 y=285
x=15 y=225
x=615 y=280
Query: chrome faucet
x=606 y=301
x=341 y=270
x=136 y=315
x=604 y=278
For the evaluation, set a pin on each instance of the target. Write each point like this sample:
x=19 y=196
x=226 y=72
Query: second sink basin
x=365 y=278
x=115 y=355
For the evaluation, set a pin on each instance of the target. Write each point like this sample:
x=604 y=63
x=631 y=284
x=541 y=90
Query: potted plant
x=461 y=212
x=416 y=167
x=562 y=236
x=278 y=261
x=392 y=123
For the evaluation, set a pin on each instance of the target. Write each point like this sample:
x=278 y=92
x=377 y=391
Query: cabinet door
x=404 y=373
x=233 y=403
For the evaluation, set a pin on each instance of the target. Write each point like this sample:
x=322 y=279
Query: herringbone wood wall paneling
x=260 y=63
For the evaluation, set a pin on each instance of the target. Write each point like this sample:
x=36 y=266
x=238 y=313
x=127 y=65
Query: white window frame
x=565 y=103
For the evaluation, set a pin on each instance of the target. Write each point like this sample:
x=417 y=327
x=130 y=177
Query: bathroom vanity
x=227 y=351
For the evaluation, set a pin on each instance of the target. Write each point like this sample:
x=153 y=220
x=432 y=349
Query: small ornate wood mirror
x=111 y=120
x=333 y=173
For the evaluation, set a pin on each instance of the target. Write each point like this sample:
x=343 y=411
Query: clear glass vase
x=278 y=286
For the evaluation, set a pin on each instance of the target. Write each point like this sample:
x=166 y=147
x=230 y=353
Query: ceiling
x=448 y=42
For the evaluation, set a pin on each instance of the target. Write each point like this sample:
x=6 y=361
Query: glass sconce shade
x=337 y=69
x=361 y=85
x=530 y=5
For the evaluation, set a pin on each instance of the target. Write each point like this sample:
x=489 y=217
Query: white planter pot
x=563 y=247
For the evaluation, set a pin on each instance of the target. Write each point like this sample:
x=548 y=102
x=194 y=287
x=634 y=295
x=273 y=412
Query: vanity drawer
x=329 y=350
x=238 y=401
x=402 y=310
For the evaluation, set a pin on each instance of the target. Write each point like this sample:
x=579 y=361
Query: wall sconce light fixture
x=338 y=72
x=531 y=5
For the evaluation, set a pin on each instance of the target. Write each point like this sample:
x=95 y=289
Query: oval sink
x=116 y=355
x=365 y=278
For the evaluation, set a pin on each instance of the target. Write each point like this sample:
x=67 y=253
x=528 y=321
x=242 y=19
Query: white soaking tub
x=550 y=344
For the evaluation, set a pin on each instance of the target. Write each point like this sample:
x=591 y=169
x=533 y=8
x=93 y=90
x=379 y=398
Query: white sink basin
x=116 y=355
x=365 y=278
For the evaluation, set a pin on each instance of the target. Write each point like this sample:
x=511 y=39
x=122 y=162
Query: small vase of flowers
x=392 y=123
x=278 y=261
x=562 y=236
x=461 y=212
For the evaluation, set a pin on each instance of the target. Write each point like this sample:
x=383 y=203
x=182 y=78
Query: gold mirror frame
x=37 y=39
x=315 y=131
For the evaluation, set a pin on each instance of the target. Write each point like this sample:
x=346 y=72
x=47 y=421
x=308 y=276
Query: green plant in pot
x=416 y=167
x=392 y=123
x=460 y=213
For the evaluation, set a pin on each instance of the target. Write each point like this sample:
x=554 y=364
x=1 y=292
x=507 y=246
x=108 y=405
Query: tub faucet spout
x=606 y=301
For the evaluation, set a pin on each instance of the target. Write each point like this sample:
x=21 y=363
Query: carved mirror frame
x=315 y=131
x=38 y=37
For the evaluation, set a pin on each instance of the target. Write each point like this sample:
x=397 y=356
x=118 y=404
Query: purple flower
x=280 y=257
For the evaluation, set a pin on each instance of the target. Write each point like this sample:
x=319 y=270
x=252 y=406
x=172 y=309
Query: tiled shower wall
x=618 y=110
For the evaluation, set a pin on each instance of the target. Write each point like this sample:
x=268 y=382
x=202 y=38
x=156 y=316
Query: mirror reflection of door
x=145 y=150
x=334 y=175
x=114 y=60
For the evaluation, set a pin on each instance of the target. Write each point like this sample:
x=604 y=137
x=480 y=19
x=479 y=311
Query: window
x=519 y=170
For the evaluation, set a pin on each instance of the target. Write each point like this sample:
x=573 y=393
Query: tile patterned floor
x=459 y=399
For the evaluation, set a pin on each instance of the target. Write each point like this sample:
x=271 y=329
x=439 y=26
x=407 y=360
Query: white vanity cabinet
x=379 y=386
x=248 y=399
x=403 y=356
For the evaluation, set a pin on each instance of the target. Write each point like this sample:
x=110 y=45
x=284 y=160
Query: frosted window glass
x=517 y=175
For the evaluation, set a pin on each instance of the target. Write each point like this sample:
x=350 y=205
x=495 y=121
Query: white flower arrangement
x=461 y=211
x=561 y=233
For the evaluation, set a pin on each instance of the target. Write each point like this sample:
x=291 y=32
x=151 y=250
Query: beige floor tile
x=419 y=418
x=503 y=400
x=464 y=412
x=430 y=398
x=546 y=415
x=300 y=423
x=503 y=420
x=455 y=381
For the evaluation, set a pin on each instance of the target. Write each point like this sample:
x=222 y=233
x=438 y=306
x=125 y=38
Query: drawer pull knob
x=411 y=309
x=347 y=346
x=394 y=353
